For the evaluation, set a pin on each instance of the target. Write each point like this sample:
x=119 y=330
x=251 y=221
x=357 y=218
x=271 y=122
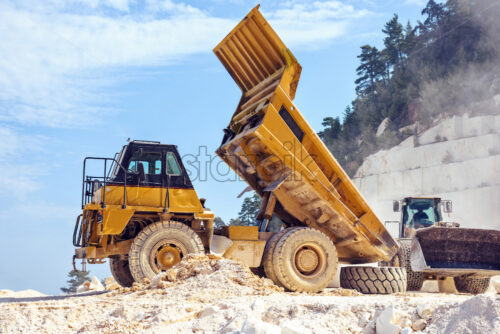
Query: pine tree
x=218 y=222
x=75 y=279
x=248 y=213
x=409 y=40
x=393 y=41
x=370 y=71
x=435 y=13
x=332 y=130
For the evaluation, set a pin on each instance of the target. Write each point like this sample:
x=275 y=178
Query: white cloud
x=416 y=2
x=57 y=58
x=310 y=23
x=171 y=6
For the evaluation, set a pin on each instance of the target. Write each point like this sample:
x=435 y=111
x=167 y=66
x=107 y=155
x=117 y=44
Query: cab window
x=172 y=165
x=150 y=160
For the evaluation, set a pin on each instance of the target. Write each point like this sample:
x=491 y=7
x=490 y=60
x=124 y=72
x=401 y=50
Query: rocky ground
x=212 y=295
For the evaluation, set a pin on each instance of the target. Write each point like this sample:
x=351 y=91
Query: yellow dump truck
x=312 y=216
x=270 y=145
x=141 y=211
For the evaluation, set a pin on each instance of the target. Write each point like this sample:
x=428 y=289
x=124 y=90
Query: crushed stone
x=207 y=294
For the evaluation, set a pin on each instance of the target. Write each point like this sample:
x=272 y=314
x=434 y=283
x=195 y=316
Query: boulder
x=495 y=283
x=292 y=327
x=207 y=311
x=96 y=285
x=382 y=127
x=425 y=311
x=255 y=326
x=384 y=323
x=83 y=287
x=406 y=330
x=155 y=281
x=111 y=283
x=258 y=305
x=419 y=325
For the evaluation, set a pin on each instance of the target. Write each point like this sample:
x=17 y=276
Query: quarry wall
x=457 y=159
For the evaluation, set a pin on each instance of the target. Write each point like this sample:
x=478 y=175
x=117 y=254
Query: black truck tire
x=304 y=260
x=267 y=257
x=402 y=259
x=160 y=246
x=373 y=280
x=121 y=271
x=472 y=285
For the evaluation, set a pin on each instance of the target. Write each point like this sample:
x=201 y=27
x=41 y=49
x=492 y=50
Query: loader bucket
x=458 y=250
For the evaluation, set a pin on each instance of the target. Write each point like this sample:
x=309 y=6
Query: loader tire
x=373 y=280
x=472 y=285
x=304 y=260
x=402 y=259
x=121 y=271
x=160 y=246
x=267 y=258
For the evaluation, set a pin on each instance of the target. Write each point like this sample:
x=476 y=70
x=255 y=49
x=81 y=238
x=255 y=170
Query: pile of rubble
x=209 y=294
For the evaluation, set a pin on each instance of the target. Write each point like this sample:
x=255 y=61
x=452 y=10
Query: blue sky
x=77 y=78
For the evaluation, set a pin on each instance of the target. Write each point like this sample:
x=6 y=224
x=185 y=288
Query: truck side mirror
x=395 y=206
x=447 y=206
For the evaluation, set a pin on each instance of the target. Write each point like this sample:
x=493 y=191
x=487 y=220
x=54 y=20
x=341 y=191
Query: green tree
x=370 y=71
x=393 y=41
x=218 y=222
x=435 y=13
x=332 y=129
x=417 y=76
x=234 y=221
x=410 y=39
x=248 y=213
x=75 y=279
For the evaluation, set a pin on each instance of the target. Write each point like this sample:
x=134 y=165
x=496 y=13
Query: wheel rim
x=166 y=254
x=309 y=260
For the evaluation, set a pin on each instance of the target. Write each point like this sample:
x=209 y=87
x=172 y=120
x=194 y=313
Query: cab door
x=146 y=189
x=181 y=195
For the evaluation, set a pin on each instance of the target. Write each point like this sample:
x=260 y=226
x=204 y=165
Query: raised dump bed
x=270 y=145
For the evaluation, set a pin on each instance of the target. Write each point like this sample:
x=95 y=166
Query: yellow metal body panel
x=145 y=200
x=274 y=147
x=248 y=252
x=114 y=219
x=181 y=200
x=243 y=232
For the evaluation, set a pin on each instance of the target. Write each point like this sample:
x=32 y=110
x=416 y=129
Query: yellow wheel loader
x=145 y=215
x=431 y=249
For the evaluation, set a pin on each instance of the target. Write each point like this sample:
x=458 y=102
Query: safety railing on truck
x=90 y=184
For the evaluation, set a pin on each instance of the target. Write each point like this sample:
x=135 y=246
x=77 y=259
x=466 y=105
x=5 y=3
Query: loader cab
x=417 y=213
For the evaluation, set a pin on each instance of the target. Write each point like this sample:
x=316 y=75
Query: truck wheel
x=472 y=285
x=267 y=258
x=160 y=246
x=304 y=260
x=370 y=280
x=121 y=271
x=402 y=259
